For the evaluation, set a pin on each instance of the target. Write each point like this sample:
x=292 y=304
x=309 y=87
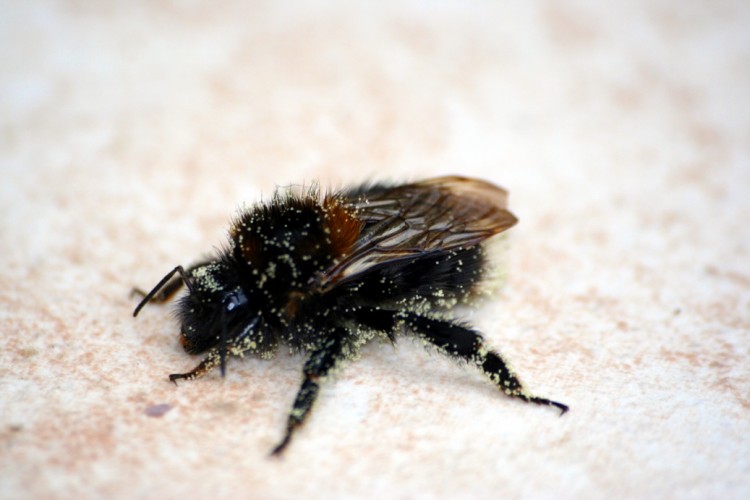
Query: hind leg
x=457 y=341
x=464 y=343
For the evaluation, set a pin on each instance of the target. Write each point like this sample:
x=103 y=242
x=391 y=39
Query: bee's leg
x=209 y=363
x=456 y=341
x=464 y=343
x=236 y=347
x=318 y=365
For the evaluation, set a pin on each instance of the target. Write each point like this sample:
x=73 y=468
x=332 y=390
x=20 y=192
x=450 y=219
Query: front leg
x=318 y=366
x=209 y=363
x=235 y=347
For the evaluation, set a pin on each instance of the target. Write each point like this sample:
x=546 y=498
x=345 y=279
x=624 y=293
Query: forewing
x=400 y=222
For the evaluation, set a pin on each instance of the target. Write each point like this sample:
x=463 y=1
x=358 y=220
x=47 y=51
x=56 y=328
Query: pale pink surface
x=131 y=134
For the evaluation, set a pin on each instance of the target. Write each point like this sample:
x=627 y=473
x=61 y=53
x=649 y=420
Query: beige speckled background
x=131 y=132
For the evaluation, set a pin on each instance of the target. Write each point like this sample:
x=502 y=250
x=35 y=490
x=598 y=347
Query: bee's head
x=215 y=310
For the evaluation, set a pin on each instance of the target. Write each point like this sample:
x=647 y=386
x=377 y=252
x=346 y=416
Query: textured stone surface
x=129 y=134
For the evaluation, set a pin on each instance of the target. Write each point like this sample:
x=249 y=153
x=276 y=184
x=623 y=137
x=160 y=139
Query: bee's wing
x=403 y=221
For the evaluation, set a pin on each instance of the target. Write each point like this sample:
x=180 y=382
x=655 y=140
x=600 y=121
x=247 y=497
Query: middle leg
x=320 y=363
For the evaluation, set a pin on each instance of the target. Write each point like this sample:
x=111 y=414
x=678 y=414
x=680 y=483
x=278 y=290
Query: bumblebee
x=324 y=273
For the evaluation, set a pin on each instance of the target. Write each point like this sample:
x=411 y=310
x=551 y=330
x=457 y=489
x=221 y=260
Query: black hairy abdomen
x=436 y=277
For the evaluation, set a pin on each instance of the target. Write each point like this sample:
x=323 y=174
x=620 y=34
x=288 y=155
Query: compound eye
x=234 y=300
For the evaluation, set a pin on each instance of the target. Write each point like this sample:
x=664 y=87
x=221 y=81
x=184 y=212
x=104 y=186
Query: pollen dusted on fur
x=325 y=273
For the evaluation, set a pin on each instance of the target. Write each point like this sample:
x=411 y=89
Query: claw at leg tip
x=563 y=408
x=276 y=452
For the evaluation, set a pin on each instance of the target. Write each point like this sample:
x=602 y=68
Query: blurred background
x=131 y=132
